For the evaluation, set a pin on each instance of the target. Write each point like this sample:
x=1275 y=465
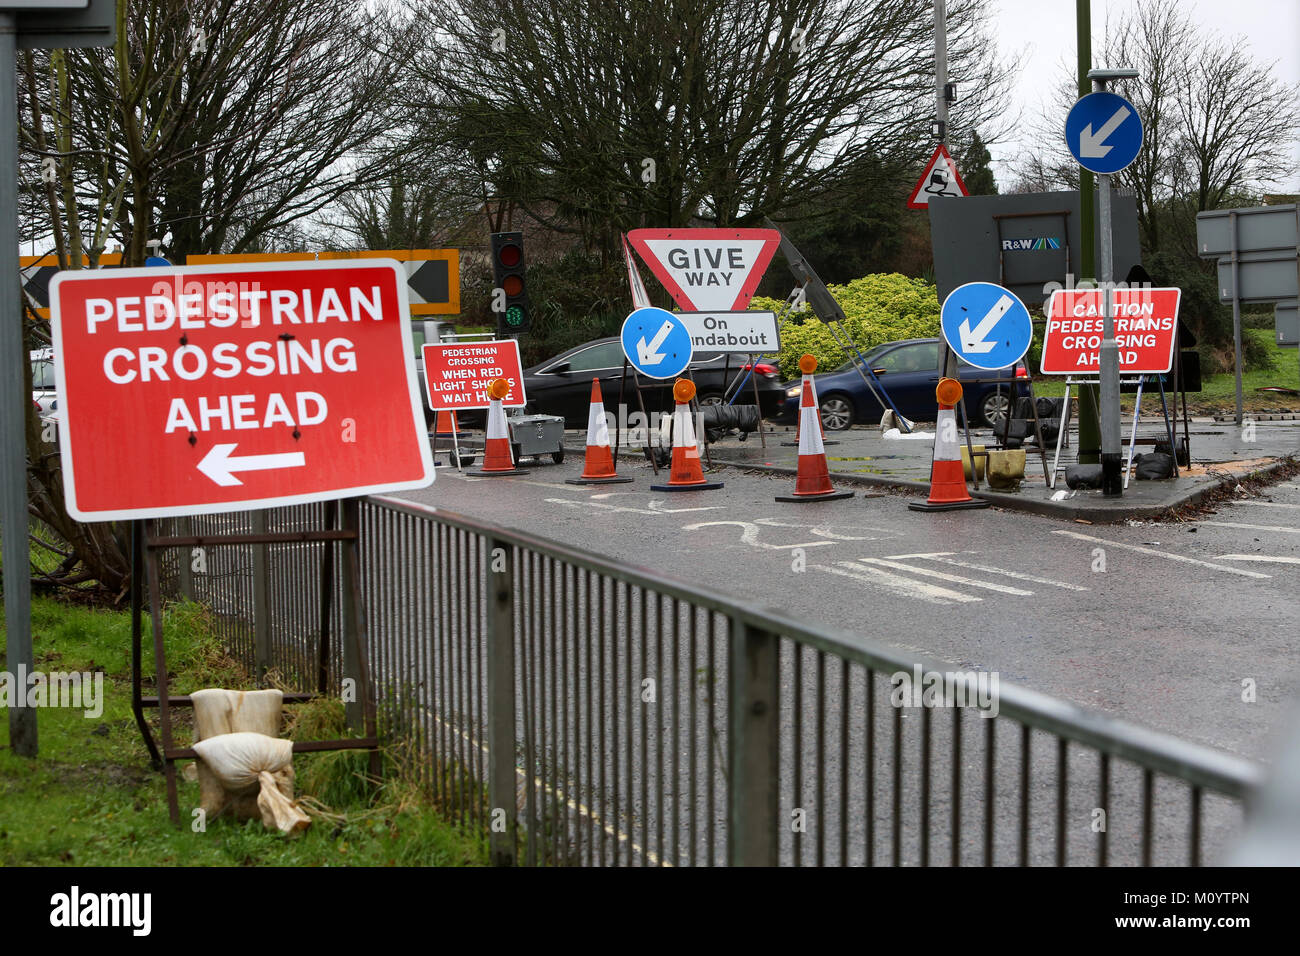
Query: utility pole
x=13 y=409
x=950 y=365
x=1089 y=428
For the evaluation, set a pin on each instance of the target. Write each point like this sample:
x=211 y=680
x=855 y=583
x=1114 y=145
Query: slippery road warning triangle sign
x=707 y=270
x=939 y=179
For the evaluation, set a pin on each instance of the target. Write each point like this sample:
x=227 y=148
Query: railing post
x=261 y=600
x=185 y=528
x=503 y=826
x=753 y=725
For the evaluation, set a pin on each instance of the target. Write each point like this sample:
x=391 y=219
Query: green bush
x=877 y=308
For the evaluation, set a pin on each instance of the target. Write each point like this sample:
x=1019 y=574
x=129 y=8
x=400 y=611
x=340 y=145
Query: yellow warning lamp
x=498 y=389
x=948 y=391
x=807 y=363
x=683 y=390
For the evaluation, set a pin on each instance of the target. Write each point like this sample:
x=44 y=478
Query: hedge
x=877 y=308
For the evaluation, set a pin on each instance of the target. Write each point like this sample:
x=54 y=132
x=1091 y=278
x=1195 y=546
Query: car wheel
x=709 y=398
x=837 y=413
x=994 y=408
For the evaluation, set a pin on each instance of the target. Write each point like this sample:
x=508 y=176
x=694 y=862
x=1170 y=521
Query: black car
x=562 y=385
x=908 y=370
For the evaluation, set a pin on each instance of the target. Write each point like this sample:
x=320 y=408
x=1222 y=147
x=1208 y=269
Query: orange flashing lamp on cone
x=497 y=459
x=812 y=481
x=947 y=478
x=685 y=473
x=598 y=468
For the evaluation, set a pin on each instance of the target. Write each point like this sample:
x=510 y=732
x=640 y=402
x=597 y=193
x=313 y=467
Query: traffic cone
x=947 y=478
x=497 y=459
x=598 y=469
x=685 y=473
x=812 y=481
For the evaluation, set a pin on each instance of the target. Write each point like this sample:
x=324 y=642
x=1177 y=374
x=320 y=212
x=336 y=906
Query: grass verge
x=91 y=797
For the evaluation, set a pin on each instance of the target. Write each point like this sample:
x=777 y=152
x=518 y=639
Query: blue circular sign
x=1104 y=132
x=656 y=343
x=986 y=325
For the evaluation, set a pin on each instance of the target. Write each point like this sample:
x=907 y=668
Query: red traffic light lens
x=513 y=285
x=510 y=256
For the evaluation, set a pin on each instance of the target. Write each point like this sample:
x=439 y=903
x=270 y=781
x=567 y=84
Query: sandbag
x=1083 y=476
x=1153 y=466
x=218 y=711
x=255 y=773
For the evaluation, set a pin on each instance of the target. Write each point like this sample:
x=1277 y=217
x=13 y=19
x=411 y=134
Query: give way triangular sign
x=707 y=270
x=939 y=179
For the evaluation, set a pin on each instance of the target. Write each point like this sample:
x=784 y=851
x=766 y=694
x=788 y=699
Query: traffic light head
x=510 y=286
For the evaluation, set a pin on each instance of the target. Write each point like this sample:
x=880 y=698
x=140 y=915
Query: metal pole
x=950 y=365
x=501 y=704
x=753 y=727
x=13 y=410
x=1111 y=440
x=1236 y=311
x=1089 y=434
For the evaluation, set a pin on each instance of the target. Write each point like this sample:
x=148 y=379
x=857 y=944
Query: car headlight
x=794 y=392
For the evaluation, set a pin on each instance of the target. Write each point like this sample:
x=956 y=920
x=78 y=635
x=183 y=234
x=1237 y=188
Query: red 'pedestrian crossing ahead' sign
x=228 y=387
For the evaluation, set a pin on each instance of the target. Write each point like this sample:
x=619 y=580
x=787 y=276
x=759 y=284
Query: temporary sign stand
x=147 y=542
x=201 y=443
x=1140 y=382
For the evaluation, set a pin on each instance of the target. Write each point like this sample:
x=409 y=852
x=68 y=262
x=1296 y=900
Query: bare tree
x=1218 y=125
x=216 y=126
x=596 y=117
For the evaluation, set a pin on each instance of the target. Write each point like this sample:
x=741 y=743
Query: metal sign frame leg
x=1132 y=441
x=147 y=544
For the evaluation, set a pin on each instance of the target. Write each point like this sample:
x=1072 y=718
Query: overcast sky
x=1045 y=31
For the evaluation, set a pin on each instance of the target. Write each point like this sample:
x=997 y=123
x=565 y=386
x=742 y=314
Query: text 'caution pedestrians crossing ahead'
x=1103 y=132
x=219 y=388
x=656 y=343
x=1146 y=321
x=705 y=269
x=986 y=325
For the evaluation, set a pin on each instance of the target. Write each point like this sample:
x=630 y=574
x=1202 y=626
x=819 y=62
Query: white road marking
x=989 y=569
x=951 y=578
x=1162 y=554
x=750 y=535
x=833 y=535
x=1258 y=557
x=1265 y=504
x=900 y=585
x=658 y=506
x=1252 y=527
x=587 y=503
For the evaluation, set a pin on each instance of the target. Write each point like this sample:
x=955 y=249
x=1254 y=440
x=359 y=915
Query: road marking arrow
x=1093 y=147
x=219 y=465
x=977 y=341
x=650 y=354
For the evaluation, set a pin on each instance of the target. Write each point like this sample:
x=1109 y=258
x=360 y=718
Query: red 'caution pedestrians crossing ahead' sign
x=221 y=388
x=1146 y=321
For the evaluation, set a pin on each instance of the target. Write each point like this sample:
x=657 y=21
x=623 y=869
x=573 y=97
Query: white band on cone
x=597 y=426
x=946 y=445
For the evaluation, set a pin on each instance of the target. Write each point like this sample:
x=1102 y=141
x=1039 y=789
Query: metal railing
x=576 y=710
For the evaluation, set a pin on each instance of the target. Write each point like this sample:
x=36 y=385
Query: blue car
x=909 y=371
